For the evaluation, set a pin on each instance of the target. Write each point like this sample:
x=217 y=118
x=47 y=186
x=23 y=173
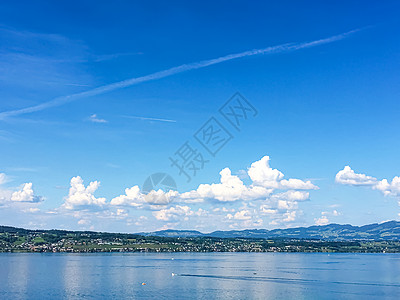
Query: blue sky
x=326 y=97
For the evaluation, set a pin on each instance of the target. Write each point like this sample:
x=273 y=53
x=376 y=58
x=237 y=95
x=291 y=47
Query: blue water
x=200 y=276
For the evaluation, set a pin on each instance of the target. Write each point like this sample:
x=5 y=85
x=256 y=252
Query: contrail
x=150 y=119
x=175 y=70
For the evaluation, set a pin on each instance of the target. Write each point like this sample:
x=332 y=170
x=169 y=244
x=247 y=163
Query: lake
x=199 y=276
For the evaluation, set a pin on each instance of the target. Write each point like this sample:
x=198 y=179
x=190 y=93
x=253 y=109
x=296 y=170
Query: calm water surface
x=200 y=276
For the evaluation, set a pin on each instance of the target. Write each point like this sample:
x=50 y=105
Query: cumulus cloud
x=388 y=188
x=282 y=207
x=297 y=184
x=173 y=213
x=267 y=210
x=290 y=216
x=231 y=188
x=349 y=177
x=264 y=181
x=25 y=194
x=81 y=196
x=134 y=197
x=240 y=215
x=292 y=195
x=287 y=205
x=178 y=212
x=160 y=197
x=323 y=220
x=266 y=194
x=223 y=209
x=263 y=175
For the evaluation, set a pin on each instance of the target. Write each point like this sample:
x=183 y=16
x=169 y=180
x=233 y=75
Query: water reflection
x=73 y=276
x=199 y=276
x=18 y=274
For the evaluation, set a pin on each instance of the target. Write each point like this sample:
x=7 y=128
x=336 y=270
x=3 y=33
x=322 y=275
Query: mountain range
x=334 y=232
x=389 y=230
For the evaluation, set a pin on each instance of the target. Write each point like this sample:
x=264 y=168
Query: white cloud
x=264 y=181
x=241 y=215
x=262 y=174
x=93 y=118
x=122 y=212
x=178 y=213
x=266 y=195
x=334 y=213
x=223 y=209
x=160 y=197
x=25 y=194
x=286 y=205
x=140 y=220
x=322 y=221
x=297 y=184
x=81 y=196
x=5 y=194
x=3 y=178
x=290 y=216
x=132 y=197
x=349 y=177
x=230 y=189
x=83 y=222
x=292 y=195
x=265 y=209
x=389 y=189
x=31 y=210
x=173 y=213
x=281 y=207
x=275 y=197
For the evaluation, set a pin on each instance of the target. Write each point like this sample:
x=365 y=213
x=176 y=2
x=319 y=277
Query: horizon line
x=138 y=233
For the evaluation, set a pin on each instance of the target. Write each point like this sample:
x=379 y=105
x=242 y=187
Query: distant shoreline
x=18 y=240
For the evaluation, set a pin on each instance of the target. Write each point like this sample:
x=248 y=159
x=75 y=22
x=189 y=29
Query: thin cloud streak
x=151 y=119
x=175 y=70
x=93 y=118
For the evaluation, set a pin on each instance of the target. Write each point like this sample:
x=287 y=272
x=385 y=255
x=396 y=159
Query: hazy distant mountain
x=173 y=233
x=332 y=232
x=386 y=231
